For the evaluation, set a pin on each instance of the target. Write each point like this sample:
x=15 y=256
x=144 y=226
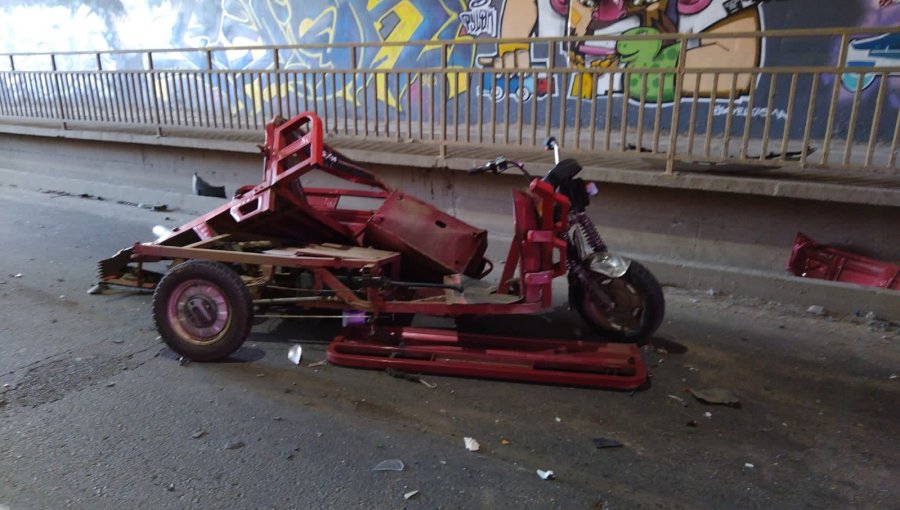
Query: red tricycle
x=283 y=249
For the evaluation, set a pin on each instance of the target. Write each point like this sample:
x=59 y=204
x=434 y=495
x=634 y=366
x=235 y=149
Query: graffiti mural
x=881 y=50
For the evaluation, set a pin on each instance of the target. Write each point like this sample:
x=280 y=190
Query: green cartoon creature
x=649 y=54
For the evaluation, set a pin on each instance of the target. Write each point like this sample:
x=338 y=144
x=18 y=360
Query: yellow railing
x=839 y=115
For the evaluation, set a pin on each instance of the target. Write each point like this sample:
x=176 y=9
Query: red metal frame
x=445 y=352
x=811 y=260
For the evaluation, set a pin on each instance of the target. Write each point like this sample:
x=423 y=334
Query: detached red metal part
x=812 y=260
x=446 y=352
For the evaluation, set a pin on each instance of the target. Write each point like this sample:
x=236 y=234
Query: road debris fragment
x=234 y=445
x=707 y=414
x=692 y=423
x=716 y=396
x=183 y=361
x=295 y=354
x=816 y=310
x=16 y=275
x=679 y=400
x=316 y=364
x=389 y=465
x=410 y=494
x=471 y=444
x=749 y=465
x=893 y=376
x=198 y=434
x=504 y=442
x=545 y=475
x=96 y=289
x=603 y=442
x=427 y=384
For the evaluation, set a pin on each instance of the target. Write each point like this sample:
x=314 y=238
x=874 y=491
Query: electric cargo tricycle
x=281 y=248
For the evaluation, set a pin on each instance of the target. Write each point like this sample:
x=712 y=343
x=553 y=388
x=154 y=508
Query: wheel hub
x=201 y=311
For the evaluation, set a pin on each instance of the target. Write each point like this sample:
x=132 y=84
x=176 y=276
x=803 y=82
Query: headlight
x=608 y=264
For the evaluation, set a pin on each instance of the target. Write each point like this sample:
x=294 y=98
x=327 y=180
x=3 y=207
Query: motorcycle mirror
x=591 y=189
x=550 y=143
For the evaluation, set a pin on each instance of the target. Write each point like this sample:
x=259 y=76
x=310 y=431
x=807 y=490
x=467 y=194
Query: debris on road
x=96 y=289
x=893 y=376
x=504 y=442
x=602 y=442
x=17 y=275
x=204 y=189
x=679 y=400
x=234 y=445
x=811 y=260
x=749 y=465
x=406 y=376
x=692 y=423
x=707 y=414
x=471 y=444
x=389 y=465
x=545 y=475
x=110 y=384
x=183 y=361
x=410 y=494
x=295 y=354
x=316 y=364
x=198 y=434
x=816 y=310
x=716 y=396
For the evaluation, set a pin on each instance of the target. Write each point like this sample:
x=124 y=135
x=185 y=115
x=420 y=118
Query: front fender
x=607 y=264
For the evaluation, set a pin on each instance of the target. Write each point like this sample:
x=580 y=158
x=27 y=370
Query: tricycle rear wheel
x=202 y=310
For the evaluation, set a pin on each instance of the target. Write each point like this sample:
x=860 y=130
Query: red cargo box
x=814 y=261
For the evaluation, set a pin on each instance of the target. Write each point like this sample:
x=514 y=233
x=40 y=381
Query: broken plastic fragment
x=602 y=442
x=707 y=414
x=816 y=310
x=471 y=444
x=295 y=354
x=716 y=396
x=428 y=384
x=96 y=289
x=410 y=494
x=545 y=475
x=748 y=465
x=17 y=275
x=679 y=399
x=389 y=465
x=316 y=364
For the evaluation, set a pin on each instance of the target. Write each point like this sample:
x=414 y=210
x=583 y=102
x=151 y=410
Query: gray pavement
x=98 y=414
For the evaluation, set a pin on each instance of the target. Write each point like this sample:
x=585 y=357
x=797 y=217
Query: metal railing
x=680 y=113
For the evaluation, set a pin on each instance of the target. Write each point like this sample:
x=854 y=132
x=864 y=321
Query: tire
x=202 y=310
x=639 y=304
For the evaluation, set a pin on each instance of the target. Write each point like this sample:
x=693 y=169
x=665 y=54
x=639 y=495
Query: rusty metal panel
x=426 y=236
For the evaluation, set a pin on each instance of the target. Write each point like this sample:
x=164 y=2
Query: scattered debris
x=893 y=376
x=171 y=487
x=692 y=423
x=316 y=364
x=545 y=475
x=504 y=442
x=602 y=442
x=183 y=361
x=558 y=420
x=410 y=494
x=679 y=400
x=205 y=189
x=811 y=260
x=198 y=434
x=277 y=418
x=707 y=414
x=295 y=354
x=816 y=310
x=234 y=445
x=716 y=396
x=427 y=384
x=389 y=465
x=118 y=341
x=110 y=384
x=471 y=444
x=711 y=292
x=871 y=316
x=96 y=289
x=749 y=465
x=17 y=275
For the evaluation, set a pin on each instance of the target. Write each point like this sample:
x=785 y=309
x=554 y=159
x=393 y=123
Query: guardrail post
x=676 y=106
x=444 y=100
x=835 y=96
x=155 y=95
x=60 y=107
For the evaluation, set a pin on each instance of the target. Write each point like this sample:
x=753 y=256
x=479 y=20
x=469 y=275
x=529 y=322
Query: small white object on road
x=471 y=444
x=749 y=465
x=295 y=354
x=707 y=414
x=410 y=494
x=545 y=475
x=816 y=310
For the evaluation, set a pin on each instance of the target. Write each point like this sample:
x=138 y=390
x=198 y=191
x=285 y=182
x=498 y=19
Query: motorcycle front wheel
x=625 y=309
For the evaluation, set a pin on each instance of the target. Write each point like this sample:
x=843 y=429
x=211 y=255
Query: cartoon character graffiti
x=521 y=19
x=876 y=51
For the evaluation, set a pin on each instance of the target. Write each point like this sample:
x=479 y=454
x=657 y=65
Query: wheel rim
x=199 y=312
x=617 y=306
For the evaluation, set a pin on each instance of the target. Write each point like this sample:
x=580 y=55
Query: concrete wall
x=64 y=25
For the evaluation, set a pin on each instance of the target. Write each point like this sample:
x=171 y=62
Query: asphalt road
x=96 y=413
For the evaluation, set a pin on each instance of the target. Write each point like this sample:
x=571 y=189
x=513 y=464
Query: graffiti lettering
x=480 y=19
x=758 y=112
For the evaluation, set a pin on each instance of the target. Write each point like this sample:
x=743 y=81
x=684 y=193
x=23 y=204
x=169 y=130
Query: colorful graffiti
x=870 y=53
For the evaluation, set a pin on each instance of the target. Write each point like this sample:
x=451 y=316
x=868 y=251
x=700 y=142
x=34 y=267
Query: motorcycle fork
x=584 y=231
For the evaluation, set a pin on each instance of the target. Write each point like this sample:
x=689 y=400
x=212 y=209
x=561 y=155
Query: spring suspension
x=589 y=231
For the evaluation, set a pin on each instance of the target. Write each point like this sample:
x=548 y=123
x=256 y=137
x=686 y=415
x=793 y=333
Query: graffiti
x=480 y=19
x=759 y=112
x=870 y=53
